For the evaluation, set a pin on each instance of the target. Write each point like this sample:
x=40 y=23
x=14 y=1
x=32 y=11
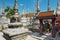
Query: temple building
x=50 y=16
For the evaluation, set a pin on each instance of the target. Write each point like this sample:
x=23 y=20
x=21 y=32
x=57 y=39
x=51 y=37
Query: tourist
x=58 y=29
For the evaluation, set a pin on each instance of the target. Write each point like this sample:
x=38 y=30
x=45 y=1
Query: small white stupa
x=25 y=20
x=4 y=21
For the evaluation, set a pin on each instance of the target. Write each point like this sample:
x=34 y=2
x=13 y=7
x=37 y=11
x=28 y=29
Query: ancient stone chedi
x=15 y=30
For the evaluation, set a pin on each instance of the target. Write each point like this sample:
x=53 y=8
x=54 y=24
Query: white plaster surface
x=1 y=36
x=15 y=31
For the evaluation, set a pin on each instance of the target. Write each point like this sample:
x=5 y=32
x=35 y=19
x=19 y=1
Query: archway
x=53 y=18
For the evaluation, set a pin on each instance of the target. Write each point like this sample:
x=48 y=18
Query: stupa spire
x=48 y=5
x=37 y=7
x=3 y=10
x=58 y=3
x=27 y=10
x=58 y=7
x=22 y=9
x=16 y=6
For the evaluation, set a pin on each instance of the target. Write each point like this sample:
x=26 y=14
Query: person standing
x=58 y=29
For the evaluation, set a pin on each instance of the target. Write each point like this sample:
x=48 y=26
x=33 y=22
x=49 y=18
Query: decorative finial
x=58 y=7
x=23 y=9
x=58 y=2
x=48 y=5
x=16 y=6
x=3 y=11
x=37 y=8
x=27 y=11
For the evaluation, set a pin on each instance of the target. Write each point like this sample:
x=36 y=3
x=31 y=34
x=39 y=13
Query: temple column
x=53 y=28
x=41 y=26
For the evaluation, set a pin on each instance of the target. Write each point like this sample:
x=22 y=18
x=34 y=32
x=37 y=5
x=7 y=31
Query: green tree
x=9 y=11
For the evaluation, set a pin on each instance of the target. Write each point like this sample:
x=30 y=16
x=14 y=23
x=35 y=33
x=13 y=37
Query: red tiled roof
x=44 y=14
x=49 y=13
x=30 y=15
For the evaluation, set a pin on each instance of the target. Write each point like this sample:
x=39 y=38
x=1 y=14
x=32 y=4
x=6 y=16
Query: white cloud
x=21 y=4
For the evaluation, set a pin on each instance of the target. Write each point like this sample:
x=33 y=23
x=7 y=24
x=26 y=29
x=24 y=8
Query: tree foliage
x=9 y=11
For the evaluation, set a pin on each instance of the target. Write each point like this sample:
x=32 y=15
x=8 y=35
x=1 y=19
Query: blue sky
x=31 y=5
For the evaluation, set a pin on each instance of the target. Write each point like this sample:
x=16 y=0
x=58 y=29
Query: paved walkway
x=47 y=36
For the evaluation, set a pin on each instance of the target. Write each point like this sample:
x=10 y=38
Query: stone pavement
x=37 y=36
x=47 y=36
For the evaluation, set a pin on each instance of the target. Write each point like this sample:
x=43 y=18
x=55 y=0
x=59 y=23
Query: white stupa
x=4 y=21
x=25 y=20
x=58 y=8
x=15 y=31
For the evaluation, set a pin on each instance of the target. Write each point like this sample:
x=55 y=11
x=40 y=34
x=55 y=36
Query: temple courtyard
x=29 y=26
